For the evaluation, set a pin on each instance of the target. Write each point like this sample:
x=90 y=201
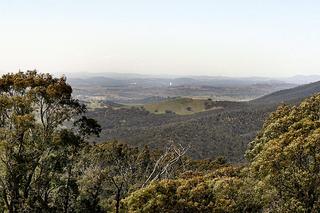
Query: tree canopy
x=286 y=155
x=37 y=145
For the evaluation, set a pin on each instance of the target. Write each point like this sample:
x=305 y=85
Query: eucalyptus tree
x=38 y=142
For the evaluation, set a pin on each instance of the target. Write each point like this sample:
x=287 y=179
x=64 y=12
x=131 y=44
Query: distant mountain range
x=158 y=82
x=132 y=90
x=124 y=78
x=302 y=79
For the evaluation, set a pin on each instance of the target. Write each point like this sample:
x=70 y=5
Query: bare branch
x=172 y=155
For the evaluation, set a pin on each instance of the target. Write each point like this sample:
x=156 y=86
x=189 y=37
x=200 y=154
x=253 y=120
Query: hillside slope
x=221 y=132
x=292 y=95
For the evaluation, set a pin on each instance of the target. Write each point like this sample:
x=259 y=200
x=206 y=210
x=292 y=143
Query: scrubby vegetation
x=48 y=165
x=282 y=174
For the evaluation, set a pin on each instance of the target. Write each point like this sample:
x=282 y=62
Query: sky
x=271 y=38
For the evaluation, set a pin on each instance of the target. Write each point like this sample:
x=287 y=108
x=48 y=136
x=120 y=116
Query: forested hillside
x=211 y=134
x=223 y=131
x=292 y=95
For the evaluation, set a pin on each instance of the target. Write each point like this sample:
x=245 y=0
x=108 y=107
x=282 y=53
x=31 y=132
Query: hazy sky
x=225 y=37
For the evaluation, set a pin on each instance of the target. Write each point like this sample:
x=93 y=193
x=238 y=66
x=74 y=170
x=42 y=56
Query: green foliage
x=220 y=191
x=285 y=156
x=37 y=153
x=110 y=171
x=88 y=126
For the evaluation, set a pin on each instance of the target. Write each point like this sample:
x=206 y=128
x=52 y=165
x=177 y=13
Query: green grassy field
x=181 y=106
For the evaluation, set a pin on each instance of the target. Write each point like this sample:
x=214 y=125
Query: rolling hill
x=181 y=106
x=225 y=131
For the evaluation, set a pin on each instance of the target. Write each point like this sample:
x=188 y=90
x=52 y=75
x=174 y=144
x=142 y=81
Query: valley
x=213 y=127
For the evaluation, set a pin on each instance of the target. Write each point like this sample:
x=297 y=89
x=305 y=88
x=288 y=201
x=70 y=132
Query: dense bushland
x=225 y=131
x=48 y=165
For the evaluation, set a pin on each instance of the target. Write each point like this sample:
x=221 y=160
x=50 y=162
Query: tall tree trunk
x=118 y=198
